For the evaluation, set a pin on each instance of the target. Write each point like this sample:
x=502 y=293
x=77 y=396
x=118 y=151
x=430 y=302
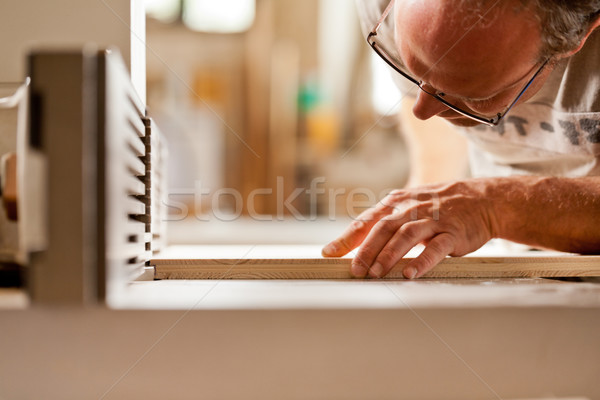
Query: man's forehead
x=477 y=24
x=499 y=44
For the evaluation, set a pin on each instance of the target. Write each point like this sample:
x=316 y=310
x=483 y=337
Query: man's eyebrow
x=471 y=98
x=510 y=86
x=458 y=97
x=475 y=98
x=463 y=98
x=486 y=98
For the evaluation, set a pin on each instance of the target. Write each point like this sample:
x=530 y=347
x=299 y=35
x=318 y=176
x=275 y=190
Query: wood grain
x=339 y=268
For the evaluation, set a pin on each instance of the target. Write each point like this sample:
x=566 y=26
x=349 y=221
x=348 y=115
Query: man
x=522 y=79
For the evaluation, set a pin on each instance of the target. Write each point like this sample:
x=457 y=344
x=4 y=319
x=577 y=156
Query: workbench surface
x=467 y=339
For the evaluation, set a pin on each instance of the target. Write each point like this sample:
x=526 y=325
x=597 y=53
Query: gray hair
x=564 y=23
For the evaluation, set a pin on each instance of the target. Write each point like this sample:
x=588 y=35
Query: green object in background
x=309 y=96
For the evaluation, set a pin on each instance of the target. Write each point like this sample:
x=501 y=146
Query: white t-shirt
x=556 y=132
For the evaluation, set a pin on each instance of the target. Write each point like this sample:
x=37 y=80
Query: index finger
x=358 y=230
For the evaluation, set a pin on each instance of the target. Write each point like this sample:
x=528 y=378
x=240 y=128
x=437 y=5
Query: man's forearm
x=556 y=213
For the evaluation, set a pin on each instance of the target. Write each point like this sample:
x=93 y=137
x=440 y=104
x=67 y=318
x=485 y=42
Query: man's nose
x=427 y=106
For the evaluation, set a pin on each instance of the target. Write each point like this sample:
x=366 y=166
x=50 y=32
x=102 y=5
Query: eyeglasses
x=381 y=40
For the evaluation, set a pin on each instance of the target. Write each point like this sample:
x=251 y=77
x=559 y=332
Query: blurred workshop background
x=273 y=109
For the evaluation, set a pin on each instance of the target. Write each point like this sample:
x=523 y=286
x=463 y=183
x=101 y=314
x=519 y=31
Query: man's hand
x=449 y=219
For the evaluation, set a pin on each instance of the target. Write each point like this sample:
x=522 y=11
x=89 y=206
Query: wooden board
x=339 y=268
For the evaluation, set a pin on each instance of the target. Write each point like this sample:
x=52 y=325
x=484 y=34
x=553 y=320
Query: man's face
x=480 y=65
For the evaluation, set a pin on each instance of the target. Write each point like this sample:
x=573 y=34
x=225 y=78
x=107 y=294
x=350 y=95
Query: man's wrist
x=507 y=199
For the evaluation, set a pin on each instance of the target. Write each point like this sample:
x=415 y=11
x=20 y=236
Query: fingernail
x=410 y=272
x=329 y=249
x=358 y=270
x=376 y=271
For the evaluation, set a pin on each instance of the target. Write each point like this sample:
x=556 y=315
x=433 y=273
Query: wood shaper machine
x=82 y=178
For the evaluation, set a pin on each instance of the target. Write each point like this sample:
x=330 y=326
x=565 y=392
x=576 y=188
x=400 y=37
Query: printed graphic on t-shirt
x=537 y=126
x=534 y=139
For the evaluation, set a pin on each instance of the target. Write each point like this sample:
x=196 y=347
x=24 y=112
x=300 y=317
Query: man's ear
x=595 y=24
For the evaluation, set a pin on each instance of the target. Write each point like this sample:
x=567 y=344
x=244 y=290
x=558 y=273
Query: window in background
x=166 y=11
x=222 y=16
x=209 y=16
x=384 y=93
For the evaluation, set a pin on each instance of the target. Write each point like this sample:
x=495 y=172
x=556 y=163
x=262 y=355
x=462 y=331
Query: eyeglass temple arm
x=527 y=86
x=383 y=16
